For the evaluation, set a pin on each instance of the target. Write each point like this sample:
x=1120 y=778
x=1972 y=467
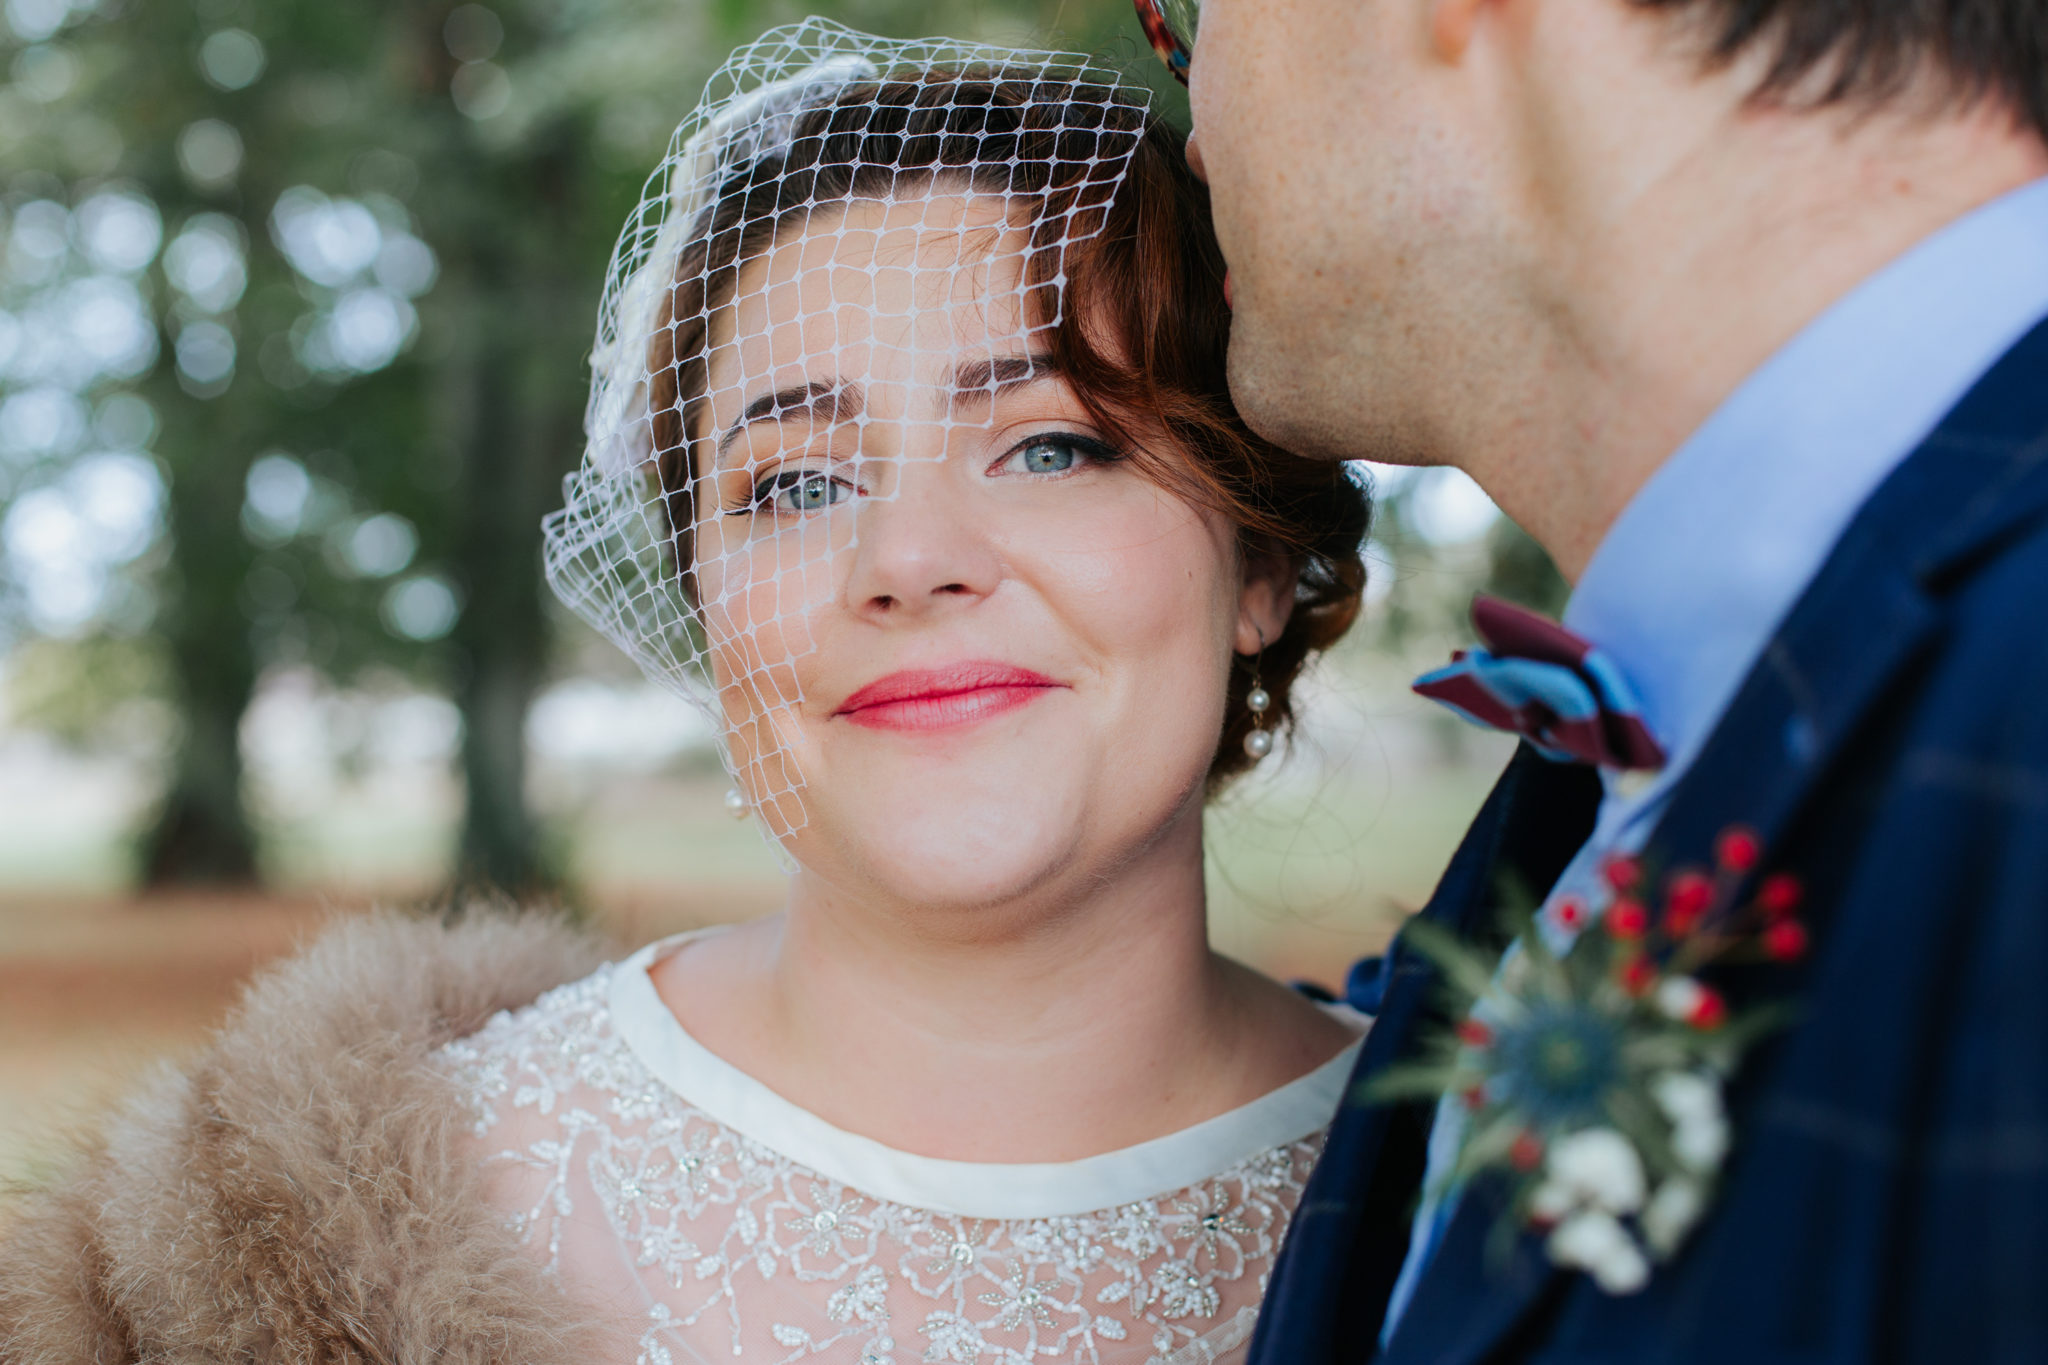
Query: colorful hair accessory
x=1173 y=49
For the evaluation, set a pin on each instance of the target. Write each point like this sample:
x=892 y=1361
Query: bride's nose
x=920 y=549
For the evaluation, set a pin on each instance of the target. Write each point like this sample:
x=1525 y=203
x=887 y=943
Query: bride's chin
x=1033 y=822
x=966 y=863
x=968 y=866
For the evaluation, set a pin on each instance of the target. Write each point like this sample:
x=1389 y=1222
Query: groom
x=1738 y=307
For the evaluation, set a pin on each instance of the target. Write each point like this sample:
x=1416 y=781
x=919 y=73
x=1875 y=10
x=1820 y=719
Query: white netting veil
x=849 y=239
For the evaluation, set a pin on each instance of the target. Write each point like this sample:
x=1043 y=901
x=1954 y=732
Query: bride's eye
x=1058 y=453
x=799 y=490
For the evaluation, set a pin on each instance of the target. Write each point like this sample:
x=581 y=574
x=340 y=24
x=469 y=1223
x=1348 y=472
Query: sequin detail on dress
x=719 y=1248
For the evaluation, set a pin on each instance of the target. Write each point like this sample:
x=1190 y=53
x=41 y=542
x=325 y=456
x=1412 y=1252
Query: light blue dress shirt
x=1709 y=558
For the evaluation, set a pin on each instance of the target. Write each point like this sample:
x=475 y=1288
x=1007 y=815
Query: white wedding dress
x=718 y=1221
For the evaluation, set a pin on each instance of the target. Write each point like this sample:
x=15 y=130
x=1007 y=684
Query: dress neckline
x=967 y=1189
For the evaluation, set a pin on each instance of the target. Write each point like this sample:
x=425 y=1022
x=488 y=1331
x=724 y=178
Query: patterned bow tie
x=1536 y=679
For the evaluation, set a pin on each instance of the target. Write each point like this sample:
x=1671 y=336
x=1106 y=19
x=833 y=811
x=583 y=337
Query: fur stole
x=299 y=1191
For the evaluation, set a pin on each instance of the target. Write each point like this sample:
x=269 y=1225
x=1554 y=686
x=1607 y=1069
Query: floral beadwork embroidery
x=742 y=1253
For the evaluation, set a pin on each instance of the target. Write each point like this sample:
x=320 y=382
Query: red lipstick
x=940 y=698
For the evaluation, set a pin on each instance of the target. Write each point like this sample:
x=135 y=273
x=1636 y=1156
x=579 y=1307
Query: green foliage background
x=510 y=141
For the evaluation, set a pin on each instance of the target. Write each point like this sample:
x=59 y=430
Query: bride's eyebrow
x=833 y=401
x=979 y=381
x=821 y=400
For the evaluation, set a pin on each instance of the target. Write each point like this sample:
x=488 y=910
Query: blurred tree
x=1521 y=570
x=352 y=480
x=1436 y=539
x=315 y=278
x=81 y=692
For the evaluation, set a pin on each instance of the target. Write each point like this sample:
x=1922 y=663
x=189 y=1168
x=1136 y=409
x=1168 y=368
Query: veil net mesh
x=848 y=240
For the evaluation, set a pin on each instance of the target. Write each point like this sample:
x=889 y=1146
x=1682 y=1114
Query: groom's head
x=1425 y=203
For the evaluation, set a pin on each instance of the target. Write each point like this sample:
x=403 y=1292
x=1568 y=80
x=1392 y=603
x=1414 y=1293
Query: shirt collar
x=1710 y=556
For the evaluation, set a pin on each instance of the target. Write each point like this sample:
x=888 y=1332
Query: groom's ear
x=1267 y=600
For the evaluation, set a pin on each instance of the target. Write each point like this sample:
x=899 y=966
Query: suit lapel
x=1874 y=610
x=1348 y=1238
x=1545 y=811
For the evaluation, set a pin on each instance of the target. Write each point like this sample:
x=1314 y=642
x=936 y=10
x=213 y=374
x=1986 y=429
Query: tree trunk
x=520 y=424
x=500 y=637
x=202 y=832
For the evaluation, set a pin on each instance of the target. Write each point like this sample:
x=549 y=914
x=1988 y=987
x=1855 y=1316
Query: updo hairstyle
x=1128 y=240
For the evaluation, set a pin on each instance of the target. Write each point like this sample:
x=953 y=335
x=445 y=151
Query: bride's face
x=964 y=653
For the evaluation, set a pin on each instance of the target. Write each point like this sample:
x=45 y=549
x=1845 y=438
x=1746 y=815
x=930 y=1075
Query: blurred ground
x=1311 y=864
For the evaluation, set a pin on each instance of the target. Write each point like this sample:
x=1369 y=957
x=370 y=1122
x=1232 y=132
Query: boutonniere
x=1592 y=1079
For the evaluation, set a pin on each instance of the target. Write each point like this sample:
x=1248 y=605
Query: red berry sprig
x=1656 y=944
x=1738 y=849
x=1687 y=900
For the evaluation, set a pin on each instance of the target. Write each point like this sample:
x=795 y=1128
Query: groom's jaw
x=1542 y=253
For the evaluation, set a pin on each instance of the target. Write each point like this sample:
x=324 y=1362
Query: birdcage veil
x=1009 y=155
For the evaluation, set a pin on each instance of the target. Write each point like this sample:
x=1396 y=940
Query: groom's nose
x=1195 y=160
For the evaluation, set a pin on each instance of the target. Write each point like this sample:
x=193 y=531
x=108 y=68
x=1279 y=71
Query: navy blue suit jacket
x=1887 y=1196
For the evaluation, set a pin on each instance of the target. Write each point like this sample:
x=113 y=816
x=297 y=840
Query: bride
x=911 y=455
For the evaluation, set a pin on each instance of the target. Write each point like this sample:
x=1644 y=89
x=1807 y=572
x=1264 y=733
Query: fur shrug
x=299 y=1192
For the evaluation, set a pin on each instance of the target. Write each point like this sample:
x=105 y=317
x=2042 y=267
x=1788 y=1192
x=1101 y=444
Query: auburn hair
x=1123 y=271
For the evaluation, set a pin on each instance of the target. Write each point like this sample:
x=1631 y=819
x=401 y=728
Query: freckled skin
x=1333 y=198
x=1131 y=598
x=1010 y=912
x=1541 y=241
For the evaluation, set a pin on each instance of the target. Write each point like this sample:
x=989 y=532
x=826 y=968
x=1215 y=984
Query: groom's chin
x=1289 y=391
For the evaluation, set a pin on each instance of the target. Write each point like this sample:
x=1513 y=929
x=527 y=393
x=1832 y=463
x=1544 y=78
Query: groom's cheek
x=1233 y=116
x=1260 y=92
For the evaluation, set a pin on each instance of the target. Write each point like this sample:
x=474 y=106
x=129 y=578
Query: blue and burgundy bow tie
x=1536 y=679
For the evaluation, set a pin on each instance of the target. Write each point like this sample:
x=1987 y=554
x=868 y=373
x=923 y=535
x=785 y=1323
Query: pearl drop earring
x=1258 y=742
x=736 y=803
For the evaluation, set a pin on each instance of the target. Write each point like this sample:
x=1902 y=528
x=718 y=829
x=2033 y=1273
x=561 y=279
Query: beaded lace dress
x=716 y=1221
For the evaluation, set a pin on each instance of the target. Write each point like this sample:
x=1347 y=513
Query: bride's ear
x=1266 y=601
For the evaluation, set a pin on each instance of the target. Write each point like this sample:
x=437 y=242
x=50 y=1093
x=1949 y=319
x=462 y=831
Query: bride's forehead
x=935 y=230
x=930 y=272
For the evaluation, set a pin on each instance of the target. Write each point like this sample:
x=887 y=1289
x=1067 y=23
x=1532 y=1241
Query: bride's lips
x=940 y=698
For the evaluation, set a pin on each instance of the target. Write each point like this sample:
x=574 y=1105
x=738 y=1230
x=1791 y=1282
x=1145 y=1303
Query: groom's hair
x=1831 y=51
